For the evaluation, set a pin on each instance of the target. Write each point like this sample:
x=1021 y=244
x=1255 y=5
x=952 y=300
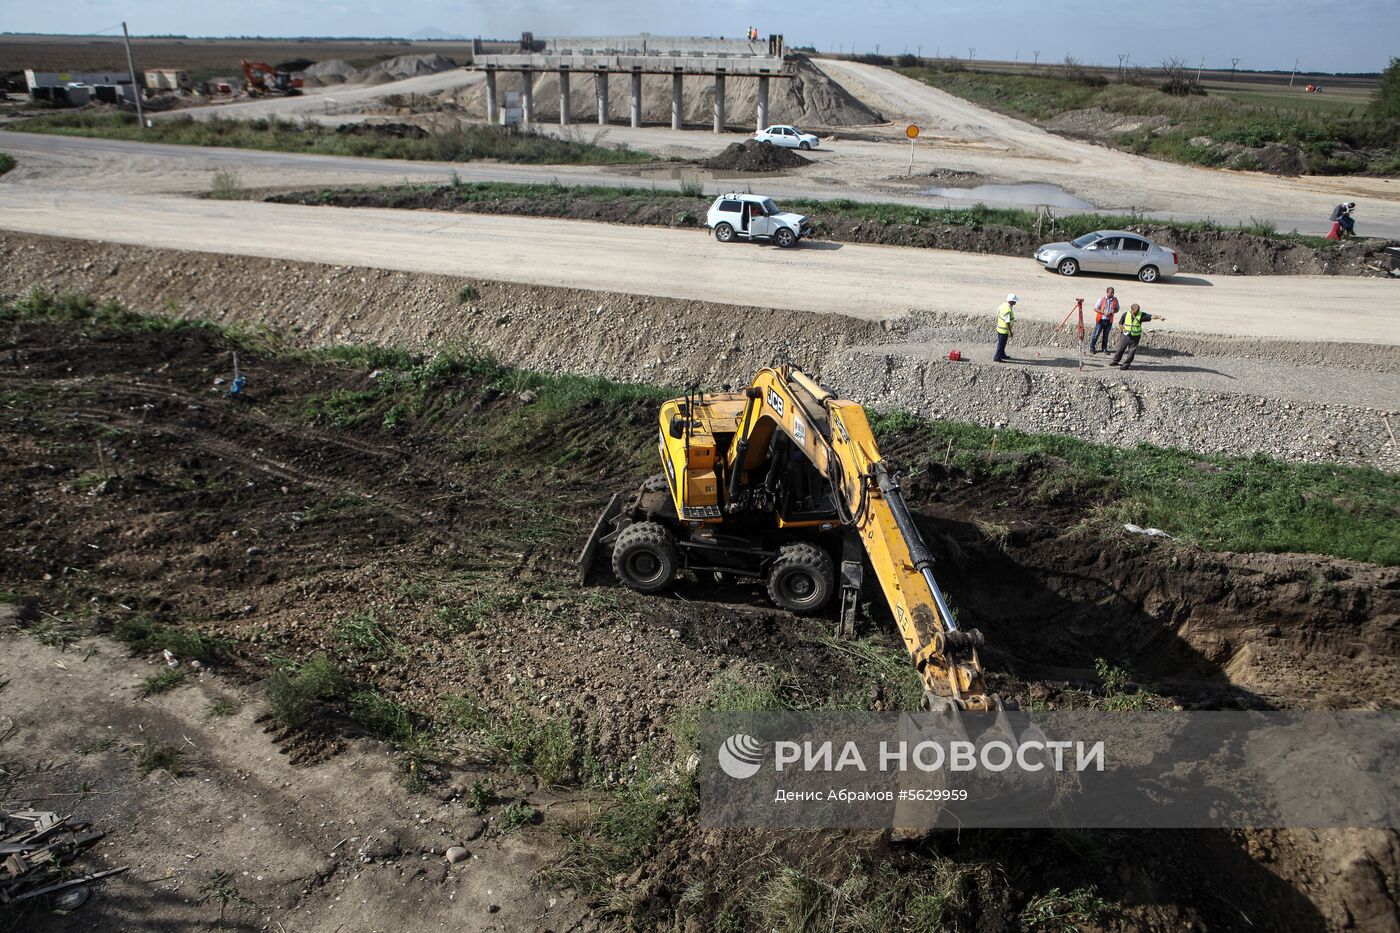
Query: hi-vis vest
x=1132 y=324
x=1006 y=316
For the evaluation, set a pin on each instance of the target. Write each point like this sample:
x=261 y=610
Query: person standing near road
x=1104 y=313
x=1133 y=319
x=1006 y=323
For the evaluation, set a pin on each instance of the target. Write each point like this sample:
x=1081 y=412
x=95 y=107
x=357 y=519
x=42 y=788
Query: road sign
x=913 y=131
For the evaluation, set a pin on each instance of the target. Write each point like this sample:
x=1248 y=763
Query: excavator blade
x=601 y=529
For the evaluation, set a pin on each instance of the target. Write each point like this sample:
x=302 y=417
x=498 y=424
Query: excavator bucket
x=601 y=529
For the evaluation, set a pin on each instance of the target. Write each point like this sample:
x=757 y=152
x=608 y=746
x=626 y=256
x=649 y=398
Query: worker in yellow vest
x=1006 y=323
x=1132 y=322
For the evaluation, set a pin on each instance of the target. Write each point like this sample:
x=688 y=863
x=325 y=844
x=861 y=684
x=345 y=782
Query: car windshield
x=769 y=207
x=1085 y=240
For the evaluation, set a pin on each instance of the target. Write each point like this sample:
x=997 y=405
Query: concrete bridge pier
x=563 y=97
x=636 y=99
x=491 y=112
x=719 y=103
x=677 y=102
x=600 y=85
x=762 y=102
x=527 y=96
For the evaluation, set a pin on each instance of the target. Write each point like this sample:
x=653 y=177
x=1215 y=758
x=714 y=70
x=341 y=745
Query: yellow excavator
x=774 y=483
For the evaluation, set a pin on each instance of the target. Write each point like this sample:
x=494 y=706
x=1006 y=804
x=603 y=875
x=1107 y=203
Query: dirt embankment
x=753 y=155
x=1201 y=251
x=282 y=520
x=672 y=342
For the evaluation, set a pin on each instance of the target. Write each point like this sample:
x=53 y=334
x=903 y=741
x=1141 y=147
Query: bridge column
x=600 y=86
x=719 y=103
x=491 y=112
x=762 y=102
x=636 y=99
x=563 y=97
x=677 y=106
x=527 y=96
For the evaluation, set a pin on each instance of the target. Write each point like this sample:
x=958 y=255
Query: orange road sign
x=913 y=131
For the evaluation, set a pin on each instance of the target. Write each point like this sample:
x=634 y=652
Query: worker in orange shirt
x=1104 y=313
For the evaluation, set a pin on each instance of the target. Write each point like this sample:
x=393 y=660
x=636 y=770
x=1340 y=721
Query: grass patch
x=1253 y=504
x=157 y=756
x=1337 y=138
x=381 y=716
x=7 y=162
x=1053 y=912
x=514 y=816
x=462 y=144
x=226 y=186
x=144 y=635
x=296 y=697
x=364 y=634
x=163 y=682
x=52 y=634
x=220 y=709
x=545 y=747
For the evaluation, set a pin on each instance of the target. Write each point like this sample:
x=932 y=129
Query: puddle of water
x=1030 y=194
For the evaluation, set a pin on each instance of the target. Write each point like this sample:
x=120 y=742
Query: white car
x=736 y=216
x=788 y=136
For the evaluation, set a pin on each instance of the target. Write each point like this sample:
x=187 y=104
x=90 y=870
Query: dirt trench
x=451 y=517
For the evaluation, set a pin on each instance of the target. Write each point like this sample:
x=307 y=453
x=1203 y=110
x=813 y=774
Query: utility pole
x=1233 y=63
x=1037 y=57
x=131 y=70
x=877 y=48
x=971 y=54
x=1121 y=56
x=921 y=53
x=1295 y=71
x=1198 y=70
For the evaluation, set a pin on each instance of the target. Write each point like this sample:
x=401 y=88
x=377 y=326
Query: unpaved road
x=957 y=135
x=872 y=282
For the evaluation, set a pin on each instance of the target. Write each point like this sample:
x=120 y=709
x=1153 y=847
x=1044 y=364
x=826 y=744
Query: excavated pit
x=270 y=519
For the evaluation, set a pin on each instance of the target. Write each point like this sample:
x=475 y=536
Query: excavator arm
x=835 y=436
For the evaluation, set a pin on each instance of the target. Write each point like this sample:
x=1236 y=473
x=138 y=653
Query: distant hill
x=432 y=32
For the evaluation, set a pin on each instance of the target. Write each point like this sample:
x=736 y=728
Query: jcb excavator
x=768 y=483
x=263 y=79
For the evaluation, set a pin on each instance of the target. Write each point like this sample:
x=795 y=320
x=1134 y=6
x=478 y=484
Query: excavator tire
x=802 y=578
x=644 y=557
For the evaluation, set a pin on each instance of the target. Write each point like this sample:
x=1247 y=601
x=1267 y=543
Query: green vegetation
x=515 y=815
x=163 y=682
x=1336 y=137
x=144 y=635
x=462 y=144
x=1120 y=693
x=1386 y=103
x=220 y=708
x=226 y=186
x=561 y=200
x=295 y=697
x=7 y=162
x=545 y=748
x=795 y=899
x=157 y=756
x=1221 y=503
x=1053 y=912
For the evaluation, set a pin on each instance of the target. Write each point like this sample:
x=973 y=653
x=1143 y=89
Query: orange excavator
x=265 y=81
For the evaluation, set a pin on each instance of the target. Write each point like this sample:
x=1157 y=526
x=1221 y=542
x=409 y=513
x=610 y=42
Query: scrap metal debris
x=35 y=847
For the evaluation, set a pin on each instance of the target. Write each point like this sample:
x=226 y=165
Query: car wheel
x=784 y=237
x=1147 y=274
x=803 y=145
x=1068 y=267
x=724 y=233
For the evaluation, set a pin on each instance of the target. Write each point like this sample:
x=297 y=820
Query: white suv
x=754 y=217
x=789 y=136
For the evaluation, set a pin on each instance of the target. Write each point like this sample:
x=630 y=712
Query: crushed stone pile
x=405 y=66
x=753 y=155
x=331 y=71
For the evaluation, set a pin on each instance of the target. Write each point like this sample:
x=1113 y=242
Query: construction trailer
x=76 y=88
x=168 y=79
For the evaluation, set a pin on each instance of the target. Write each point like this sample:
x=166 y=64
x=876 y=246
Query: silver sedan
x=1114 y=251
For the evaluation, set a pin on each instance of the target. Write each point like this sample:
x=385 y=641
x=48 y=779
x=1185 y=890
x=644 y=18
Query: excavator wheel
x=802 y=578
x=644 y=557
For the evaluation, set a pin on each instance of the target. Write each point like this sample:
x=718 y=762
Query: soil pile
x=390 y=130
x=754 y=155
x=809 y=98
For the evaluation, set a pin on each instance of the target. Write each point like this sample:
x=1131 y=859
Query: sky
x=1325 y=35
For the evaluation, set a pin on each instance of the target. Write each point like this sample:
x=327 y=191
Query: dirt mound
x=405 y=66
x=809 y=99
x=754 y=155
x=331 y=71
